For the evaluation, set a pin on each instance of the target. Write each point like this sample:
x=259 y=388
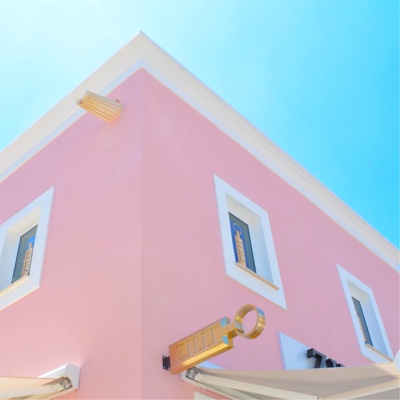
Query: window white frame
x=35 y=213
x=267 y=281
x=353 y=287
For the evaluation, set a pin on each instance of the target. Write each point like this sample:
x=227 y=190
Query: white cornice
x=141 y=52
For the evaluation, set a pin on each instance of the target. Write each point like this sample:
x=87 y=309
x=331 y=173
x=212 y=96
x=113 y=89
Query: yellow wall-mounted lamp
x=101 y=107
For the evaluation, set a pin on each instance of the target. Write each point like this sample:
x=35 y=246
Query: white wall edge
x=141 y=52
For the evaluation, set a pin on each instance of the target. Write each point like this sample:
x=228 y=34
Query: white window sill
x=257 y=284
x=12 y=287
x=17 y=290
x=375 y=355
x=257 y=276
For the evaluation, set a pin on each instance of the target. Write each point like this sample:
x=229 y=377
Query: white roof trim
x=141 y=52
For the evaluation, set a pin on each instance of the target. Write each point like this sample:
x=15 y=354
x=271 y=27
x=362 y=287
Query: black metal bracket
x=321 y=361
x=166 y=363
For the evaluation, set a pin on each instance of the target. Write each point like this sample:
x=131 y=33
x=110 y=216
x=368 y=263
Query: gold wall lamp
x=210 y=341
x=105 y=109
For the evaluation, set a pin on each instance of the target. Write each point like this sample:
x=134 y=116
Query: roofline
x=141 y=52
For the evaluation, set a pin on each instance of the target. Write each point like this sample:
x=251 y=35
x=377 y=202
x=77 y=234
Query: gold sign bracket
x=212 y=340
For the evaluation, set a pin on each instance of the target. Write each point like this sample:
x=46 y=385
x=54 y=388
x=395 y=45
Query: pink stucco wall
x=182 y=253
x=88 y=308
x=134 y=259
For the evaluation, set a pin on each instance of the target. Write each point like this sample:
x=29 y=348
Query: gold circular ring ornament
x=259 y=326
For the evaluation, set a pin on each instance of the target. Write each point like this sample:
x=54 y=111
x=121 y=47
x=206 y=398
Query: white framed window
x=22 y=246
x=247 y=243
x=367 y=321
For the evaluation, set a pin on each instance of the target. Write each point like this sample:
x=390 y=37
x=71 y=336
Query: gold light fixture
x=105 y=109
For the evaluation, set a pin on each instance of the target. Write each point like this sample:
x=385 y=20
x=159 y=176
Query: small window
x=247 y=243
x=22 y=248
x=368 y=325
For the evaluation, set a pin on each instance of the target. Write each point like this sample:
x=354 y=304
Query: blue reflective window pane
x=237 y=225
x=361 y=320
x=24 y=254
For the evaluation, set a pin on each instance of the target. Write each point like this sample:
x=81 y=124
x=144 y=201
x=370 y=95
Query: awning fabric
x=377 y=381
x=33 y=388
x=57 y=383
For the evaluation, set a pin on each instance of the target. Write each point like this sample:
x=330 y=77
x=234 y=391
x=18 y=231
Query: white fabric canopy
x=33 y=388
x=377 y=381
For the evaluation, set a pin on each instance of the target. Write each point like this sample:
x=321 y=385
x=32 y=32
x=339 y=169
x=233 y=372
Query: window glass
x=24 y=254
x=362 y=322
x=242 y=242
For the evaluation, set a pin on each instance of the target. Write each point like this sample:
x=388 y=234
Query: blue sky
x=318 y=77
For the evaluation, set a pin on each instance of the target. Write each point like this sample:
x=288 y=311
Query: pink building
x=118 y=239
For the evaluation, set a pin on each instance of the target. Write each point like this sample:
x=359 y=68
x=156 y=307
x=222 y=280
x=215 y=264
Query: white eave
x=141 y=52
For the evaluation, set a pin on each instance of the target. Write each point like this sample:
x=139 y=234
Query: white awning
x=377 y=381
x=54 y=384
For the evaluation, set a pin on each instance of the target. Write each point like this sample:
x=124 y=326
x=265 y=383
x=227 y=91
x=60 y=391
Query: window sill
x=13 y=285
x=241 y=266
x=377 y=351
x=17 y=290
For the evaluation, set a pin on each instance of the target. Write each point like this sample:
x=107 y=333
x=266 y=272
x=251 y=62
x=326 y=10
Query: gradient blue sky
x=318 y=77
